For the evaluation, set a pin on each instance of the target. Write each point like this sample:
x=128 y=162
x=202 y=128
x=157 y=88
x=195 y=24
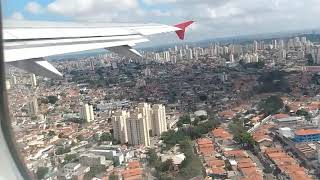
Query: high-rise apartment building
x=189 y=54
x=86 y=113
x=137 y=129
x=33 y=80
x=119 y=126
x=159 y=119
x=255 y=46
x=33 y=107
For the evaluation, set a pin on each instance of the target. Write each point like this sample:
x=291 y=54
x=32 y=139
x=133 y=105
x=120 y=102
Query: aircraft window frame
x=5 y=120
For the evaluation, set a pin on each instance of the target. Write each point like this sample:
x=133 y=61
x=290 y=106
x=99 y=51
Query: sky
x=213 y=18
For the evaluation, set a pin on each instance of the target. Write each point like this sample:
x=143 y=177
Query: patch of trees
x=185 y=119
x=80 y=138
x=310 y=61
x=106 y=137
x=70 y=158
x=48 y=99
x=315 y=79
x=171 y=138
x=42 y=172
x=241 y=135
x=51 y=133
x=62 y=150
x=52 y=99
x=273 y=81
x=255 y=65
x=302 y=112
x=271 y=105
x=189 y=168
x=203 y=97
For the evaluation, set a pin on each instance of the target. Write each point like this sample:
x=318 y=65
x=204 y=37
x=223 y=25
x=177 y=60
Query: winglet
x=183 y=27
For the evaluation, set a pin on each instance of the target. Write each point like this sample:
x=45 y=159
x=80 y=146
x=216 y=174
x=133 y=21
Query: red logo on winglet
x=183 y=27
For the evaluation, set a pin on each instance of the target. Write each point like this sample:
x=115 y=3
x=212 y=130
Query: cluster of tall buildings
x=299 y=46
x=137 y=125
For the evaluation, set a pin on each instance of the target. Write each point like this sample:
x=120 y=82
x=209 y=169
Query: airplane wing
x=28 y=43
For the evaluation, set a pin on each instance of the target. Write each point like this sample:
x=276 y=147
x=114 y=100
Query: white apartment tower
x=283 y=54
x=86 y=113
x=119 y=126
x=281 y=44
x=166 y=56
x=316 y=54
x=159 y=119
x=137 y=129
x=231 y=58
x=33 y=80
x=146 y=111
x=13 y=79
x=189 y=54
x=255 y=46
x=274 y=44
x=33 y=107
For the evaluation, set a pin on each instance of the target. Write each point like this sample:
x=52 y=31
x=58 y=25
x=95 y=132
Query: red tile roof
x=303 y=132
x=221 y=133
x=280 y=116
x=132 y=173
x=218 y=171
x=134 y=164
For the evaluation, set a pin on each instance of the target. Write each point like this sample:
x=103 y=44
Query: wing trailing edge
x=38 y=66
x=126 y=51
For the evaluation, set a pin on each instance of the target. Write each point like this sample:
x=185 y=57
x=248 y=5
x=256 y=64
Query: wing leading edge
x=26 y=44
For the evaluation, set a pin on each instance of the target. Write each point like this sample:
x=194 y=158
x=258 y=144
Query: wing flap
x=39 y=67
x=126 y=51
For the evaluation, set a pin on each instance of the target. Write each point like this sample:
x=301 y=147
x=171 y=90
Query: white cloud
x=154 y=2
x=213 y=18
x=159 y=13
x=34 y=7
x=91 y=9
x=17 y=16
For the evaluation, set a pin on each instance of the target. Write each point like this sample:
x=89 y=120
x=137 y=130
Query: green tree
x=113 y=177
x=271 y=105
x=245 y=139
x=286 y=109
x=62 y=150
x=302 y=112
x=310 y=61
x=203 y=97
x=171 y=138
x=52 y=99
x=42 y=172
x=80 y=137
x=167 y=166
x=191 y=166
x=185 y=119
x=202 y=118
x=70 y=158
x=106 y=137
x=153 y=158
x=196 y=121
x=51 y=133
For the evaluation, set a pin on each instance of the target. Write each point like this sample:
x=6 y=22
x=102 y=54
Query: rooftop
x=303 y=132
x=221 y=133
x=280 y=116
